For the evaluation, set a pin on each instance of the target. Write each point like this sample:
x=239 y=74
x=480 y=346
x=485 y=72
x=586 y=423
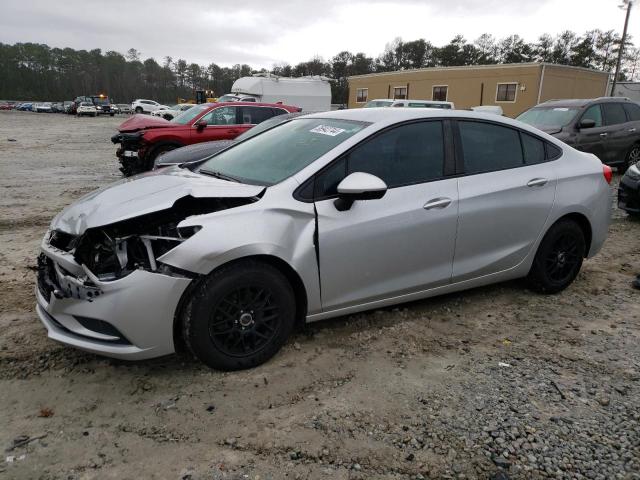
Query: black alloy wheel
x=559 y=257
x=239 y=316
x=633 y=157
x=562 y=258
x=244 y=321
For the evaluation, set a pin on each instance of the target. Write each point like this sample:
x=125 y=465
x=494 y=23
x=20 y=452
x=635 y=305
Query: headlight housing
x=634 y=172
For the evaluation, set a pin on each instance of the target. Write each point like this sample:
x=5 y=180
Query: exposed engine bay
x=113 y=251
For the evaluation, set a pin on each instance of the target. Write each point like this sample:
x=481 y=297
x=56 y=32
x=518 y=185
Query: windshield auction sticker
x=326 y=130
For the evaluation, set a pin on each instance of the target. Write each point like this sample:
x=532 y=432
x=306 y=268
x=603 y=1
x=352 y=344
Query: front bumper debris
x=128 y=318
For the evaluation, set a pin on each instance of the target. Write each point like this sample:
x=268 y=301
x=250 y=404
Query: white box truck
x=311 y=94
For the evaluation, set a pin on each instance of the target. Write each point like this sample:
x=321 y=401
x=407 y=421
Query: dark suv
x=608 y=127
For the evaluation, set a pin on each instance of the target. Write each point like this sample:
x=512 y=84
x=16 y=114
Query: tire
x=559 y=258
x=157 y=151
x=224 y=322
x=633 y=157
x=139 y=110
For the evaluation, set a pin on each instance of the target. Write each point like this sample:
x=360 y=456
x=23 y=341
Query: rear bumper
x=131 y=318
x=629 y=195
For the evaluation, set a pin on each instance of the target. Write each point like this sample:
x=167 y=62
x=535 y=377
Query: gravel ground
x=497 y=382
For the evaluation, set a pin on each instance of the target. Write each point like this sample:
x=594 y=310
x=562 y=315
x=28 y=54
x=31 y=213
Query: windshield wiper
x=220 y=175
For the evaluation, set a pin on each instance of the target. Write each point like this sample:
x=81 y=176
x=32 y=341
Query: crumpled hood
x=142 y=194
x=141 y=122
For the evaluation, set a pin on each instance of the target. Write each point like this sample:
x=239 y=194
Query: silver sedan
x=325 y=215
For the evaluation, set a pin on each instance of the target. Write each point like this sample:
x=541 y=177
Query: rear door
x=506 y=194
x=401 y=243
x=223 y=123
x=619 y=136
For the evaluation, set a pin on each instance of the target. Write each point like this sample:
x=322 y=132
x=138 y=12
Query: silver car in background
x=325 y=215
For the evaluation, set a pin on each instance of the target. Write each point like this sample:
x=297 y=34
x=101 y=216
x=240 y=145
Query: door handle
x=604 y=134
x=440 y=203
x=537 y=182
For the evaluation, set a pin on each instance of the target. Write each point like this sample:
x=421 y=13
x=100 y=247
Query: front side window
x=400 y=93
x=361 y=95
x=221 y=116
x=614 y=113
x=593 y=113
x=276 y=154
x=506 y=92
x=255 y=115
x=487 y=147
x=440 y=93
x=404 y=155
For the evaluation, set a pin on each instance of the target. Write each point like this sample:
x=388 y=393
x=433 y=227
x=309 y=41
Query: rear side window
x=633 y=111
x=533 y=149
x=593 y=113
x=614 y=113
x=487 y=147
x=255 y=115
x=407 y=154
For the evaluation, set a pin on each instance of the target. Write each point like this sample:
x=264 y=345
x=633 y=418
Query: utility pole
x=629 y=3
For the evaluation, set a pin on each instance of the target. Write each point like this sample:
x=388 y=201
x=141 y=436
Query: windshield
x=548 y=116
x=278 y=153
x=378 y=103
x=185 y=117
x=101 y=100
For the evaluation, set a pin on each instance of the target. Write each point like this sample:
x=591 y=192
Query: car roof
x=396 y=115
x=580 y=102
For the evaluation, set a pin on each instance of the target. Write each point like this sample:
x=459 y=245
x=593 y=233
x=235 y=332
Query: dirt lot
x=492 y=380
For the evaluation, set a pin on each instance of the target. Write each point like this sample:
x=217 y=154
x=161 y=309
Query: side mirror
x=587 y=123
x=200 y=125
x=359 y=186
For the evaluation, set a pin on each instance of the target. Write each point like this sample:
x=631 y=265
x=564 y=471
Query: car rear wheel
x=633 y=156
x=559 y=258
x=239 y=316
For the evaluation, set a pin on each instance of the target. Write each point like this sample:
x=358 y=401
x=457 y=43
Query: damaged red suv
x=142 y=138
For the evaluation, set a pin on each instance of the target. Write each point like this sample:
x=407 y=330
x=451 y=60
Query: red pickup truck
x=142 y=138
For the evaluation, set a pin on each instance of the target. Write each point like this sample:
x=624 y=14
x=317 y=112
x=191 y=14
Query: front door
x=396 y=245
x=593 y=140
x=222 y=124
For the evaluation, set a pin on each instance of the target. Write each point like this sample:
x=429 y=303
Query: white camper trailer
x=311 y=94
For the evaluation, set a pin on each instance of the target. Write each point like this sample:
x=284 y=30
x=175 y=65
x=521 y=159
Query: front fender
x=287 y=234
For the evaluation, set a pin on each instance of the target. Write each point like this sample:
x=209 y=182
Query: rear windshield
x=187 y=116
x=548 y=116
x=276 y=154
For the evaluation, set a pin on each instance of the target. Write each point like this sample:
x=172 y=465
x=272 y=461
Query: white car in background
x=424 y=104
x=146 y=106
x=86 y=108
x=171 y=112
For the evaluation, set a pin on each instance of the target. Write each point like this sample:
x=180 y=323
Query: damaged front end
x=131 y=153
x=105 y=291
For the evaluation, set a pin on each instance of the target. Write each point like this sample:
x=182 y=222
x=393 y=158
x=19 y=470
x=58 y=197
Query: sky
x=262 y=33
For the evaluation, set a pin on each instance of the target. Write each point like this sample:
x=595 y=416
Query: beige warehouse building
x=515 y=87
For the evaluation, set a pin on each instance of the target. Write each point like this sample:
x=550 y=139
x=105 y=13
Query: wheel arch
x=584 y=224
x=282 y=266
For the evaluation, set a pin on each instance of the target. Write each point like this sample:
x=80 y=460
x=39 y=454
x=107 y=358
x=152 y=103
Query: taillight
x=607 y=172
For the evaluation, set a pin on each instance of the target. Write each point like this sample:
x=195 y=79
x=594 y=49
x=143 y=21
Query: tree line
x=33 y=71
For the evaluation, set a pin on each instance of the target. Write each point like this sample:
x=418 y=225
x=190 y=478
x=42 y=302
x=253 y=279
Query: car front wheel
x=138 y=109
x=559 y=258
x=239 y=316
